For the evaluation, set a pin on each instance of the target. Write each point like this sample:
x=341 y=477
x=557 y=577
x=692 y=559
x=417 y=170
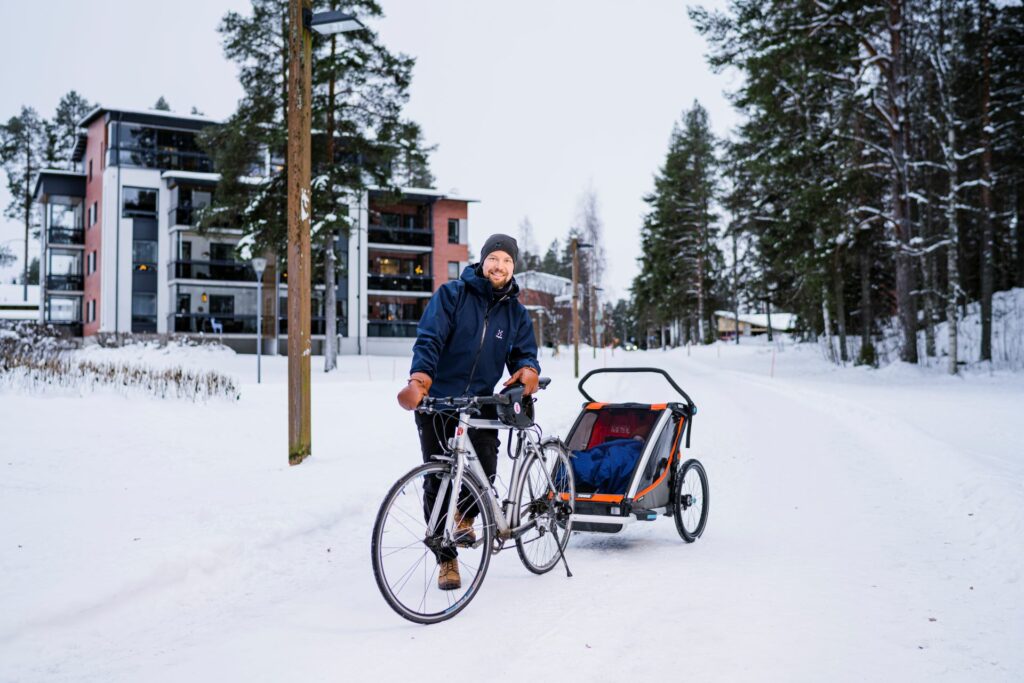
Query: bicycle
x=409 y=538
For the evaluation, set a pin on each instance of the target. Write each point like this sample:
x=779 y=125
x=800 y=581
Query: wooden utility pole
x=300 y=47
x=576 y=306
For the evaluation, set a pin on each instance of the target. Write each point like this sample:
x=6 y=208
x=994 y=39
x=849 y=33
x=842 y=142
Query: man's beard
x=498 y=285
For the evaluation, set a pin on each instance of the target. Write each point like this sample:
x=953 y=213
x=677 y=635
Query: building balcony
x=391 y=328
x=168 y=160
x=400 y=283
x=317 y=325
x=61 y=235
x=418 y=237
x=227 y=271
x=189 y=215
x=65 y=283
x=213 y=323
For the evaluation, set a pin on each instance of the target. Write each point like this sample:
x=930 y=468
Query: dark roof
x=150 y=117
x=55 y=182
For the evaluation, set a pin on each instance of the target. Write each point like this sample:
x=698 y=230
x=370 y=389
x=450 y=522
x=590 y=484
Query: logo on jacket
x=500 y=334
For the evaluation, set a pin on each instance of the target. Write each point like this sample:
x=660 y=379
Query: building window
x=398 y=220
x=143 y=312
x=90 y=170
x=453 y=270
x=91 y=219
x=222 y=305
x=138 y=201
x=63 y=309
x=144 y=254
x=222 y=252
x=453 y=231
x=90 y=311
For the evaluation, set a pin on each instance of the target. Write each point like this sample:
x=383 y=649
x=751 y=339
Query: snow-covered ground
x=864 y=525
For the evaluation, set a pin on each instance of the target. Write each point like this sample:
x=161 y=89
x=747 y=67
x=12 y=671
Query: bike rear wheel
x=407 y=556
x=549 y=509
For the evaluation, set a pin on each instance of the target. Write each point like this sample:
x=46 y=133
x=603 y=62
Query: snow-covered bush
x=36 y=358
x=116 y=340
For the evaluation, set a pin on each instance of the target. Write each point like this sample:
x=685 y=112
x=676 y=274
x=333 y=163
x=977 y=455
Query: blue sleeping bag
x=609 y=466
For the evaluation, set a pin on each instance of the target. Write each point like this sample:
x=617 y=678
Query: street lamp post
x=576 y=246
x=595 y=309
x=301 y=21
x=259 y=265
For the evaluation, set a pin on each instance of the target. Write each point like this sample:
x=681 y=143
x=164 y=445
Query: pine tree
x=529 y=259
x=680 y=261
x=62 y=130
x=22 y=144
x=161 y=105
x=360 y=137
x=555 y=261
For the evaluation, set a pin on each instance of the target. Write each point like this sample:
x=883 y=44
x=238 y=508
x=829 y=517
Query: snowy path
x=863 y=526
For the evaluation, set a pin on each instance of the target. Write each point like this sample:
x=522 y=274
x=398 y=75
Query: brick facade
x=95 y=154
x=444 y=251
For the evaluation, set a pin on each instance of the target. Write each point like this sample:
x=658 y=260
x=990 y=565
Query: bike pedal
x=645 y=515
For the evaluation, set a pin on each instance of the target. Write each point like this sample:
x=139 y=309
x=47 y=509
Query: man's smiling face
x=498 y=268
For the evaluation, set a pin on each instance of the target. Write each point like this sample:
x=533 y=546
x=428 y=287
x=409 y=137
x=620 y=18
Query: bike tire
x=541 y=549
x=400 y=517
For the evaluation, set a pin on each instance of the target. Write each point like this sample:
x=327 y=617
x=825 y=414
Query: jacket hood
x=482 y=285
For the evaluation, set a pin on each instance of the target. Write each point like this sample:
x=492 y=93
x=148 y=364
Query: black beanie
x=499 y=242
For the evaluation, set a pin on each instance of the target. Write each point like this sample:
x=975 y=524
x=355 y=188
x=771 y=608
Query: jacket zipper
x=483 y=337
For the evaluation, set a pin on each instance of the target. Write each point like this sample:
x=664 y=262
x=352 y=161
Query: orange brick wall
x=93 y=235
x=443 y=251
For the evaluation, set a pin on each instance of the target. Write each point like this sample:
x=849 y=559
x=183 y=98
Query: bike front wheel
x=545 y=498
x=407 y=555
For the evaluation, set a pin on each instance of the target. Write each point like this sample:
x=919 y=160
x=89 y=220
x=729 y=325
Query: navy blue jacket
x=467 y=335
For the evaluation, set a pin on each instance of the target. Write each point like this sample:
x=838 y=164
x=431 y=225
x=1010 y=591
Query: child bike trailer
x=629 y=465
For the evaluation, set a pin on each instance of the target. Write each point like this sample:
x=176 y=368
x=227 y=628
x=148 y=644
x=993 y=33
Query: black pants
x=434 y=431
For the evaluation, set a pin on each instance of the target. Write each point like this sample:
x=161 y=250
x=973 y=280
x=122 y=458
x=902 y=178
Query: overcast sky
x=529 y=102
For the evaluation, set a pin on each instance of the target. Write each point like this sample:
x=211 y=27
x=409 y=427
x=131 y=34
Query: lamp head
x=329 y=23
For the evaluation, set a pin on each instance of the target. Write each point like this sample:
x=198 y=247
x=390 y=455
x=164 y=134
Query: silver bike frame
x=465 y=462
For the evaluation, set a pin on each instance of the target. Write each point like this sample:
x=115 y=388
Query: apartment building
x=121 y=251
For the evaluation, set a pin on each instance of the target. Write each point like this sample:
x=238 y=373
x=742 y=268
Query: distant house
x=15 y=306
x=752 y=324
x=548 y=298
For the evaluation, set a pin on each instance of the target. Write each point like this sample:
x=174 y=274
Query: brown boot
x=464 y=533
x=448 y=578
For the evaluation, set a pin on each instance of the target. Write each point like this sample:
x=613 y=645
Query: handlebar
x=431 y=404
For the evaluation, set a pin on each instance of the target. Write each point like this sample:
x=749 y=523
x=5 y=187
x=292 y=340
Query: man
x=473 y=328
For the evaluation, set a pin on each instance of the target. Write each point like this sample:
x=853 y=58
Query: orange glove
x=415 y=390
x=526 y=376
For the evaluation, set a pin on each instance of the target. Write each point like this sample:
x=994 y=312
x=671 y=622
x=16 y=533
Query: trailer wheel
x=690 y=497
